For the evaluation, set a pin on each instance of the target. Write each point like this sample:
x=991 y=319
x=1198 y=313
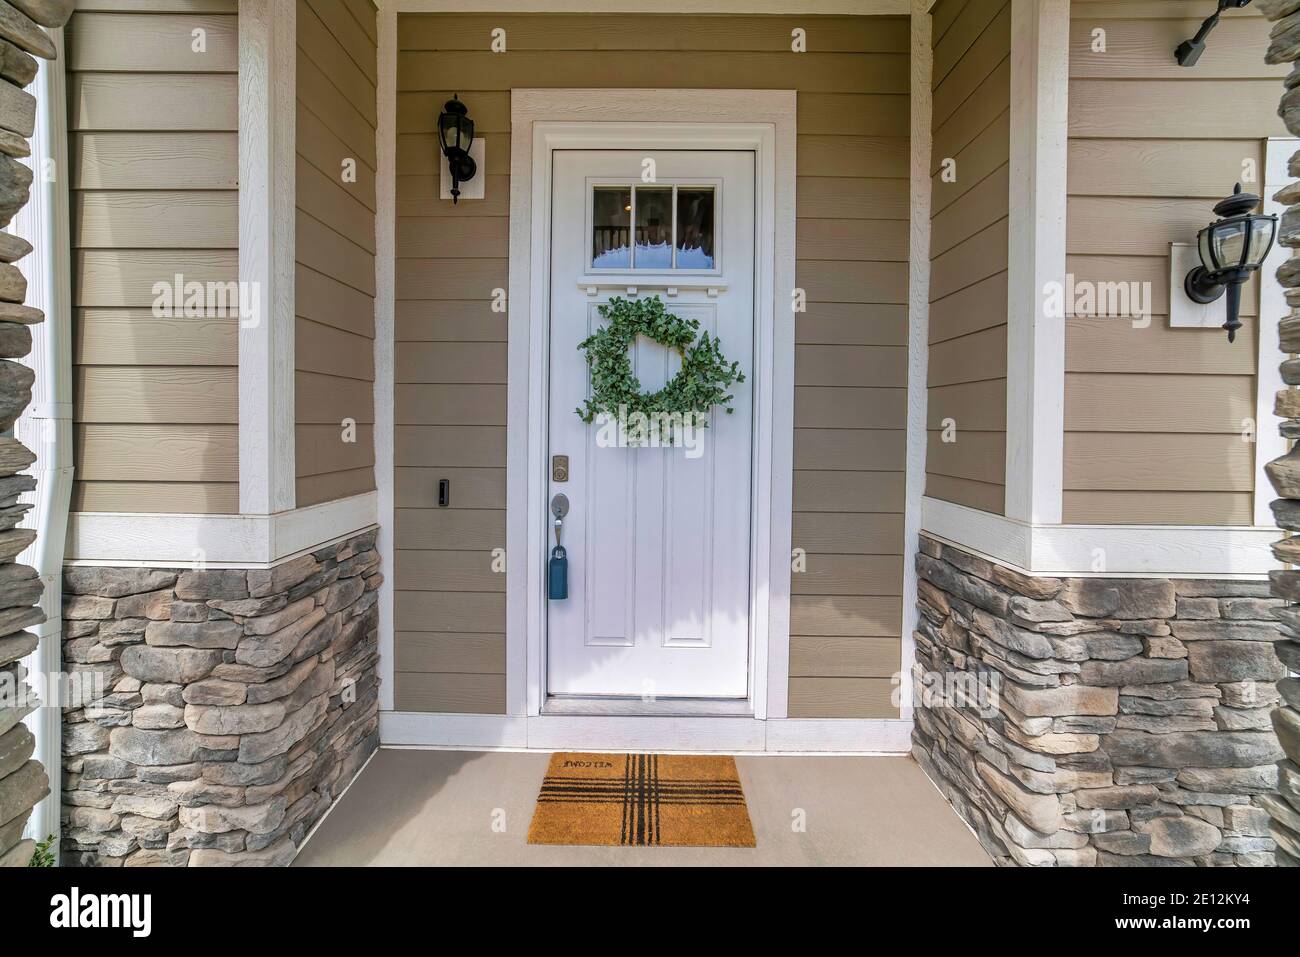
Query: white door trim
x=542 y=121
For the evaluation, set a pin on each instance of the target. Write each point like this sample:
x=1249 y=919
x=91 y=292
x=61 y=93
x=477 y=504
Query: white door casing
x=658 y=539
x=542 y=123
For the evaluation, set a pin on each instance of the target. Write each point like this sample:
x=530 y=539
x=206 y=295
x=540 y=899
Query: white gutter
x=45 y=426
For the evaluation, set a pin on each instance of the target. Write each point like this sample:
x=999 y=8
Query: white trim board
x=267 y=249
x=385 y=339
x=545 y=120
x=918 y=331
x=1040 y=64
x=214 y=541
x=1104 y=551
x=496 y=732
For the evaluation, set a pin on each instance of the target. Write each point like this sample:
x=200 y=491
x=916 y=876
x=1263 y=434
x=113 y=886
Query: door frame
x=542 y=121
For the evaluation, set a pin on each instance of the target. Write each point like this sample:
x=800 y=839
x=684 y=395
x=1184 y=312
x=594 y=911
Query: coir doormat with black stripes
x=677 y=800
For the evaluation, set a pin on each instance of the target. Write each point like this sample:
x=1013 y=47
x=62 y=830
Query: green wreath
x=701 y=383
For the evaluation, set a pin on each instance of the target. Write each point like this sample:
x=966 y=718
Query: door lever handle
x=558 y=566
x=559 y=508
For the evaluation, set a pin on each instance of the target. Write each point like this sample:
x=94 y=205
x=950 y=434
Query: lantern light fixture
x=456 y=133
x=1189 y=51
x=1231 y=248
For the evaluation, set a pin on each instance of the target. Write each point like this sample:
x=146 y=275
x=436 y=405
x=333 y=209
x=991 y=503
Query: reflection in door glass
x=694 y=228
x=654 y=228
x=610 y=220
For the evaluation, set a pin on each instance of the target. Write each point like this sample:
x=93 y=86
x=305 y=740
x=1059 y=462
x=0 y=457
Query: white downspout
x=45 y=426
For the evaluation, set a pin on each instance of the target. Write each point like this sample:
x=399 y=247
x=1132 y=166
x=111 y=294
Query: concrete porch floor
x=420 y=808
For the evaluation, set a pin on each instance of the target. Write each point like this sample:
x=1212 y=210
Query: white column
x=385 y=333
x=267 y=133
x=1040 y=66
x=918 y=329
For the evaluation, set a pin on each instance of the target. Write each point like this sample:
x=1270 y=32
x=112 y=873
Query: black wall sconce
x=1189 y=51
x=1231 y=249
x=456 y=132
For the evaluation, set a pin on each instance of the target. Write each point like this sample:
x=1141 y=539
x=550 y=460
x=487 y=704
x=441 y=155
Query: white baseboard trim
x=492 y=732
x=1105 y=551
x=156 y=540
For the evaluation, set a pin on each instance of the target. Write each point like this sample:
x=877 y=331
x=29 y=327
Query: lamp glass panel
x=1203 y=247
x=448 y=131
x=1229 y=242
x=1261 y=239
x=654 y=228
x=611 y=216
x=695 y=227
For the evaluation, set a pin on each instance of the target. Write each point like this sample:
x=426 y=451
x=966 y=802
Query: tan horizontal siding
x=1172 y=507
x=151 y=102
x=202 y=498
x=160 y=6
x=451 y=653
x=108 y=160
x=335 y=302
x=841 y=697
x=134 y=337
x=111 y=43
x=970 y=186
x=850 y=357
x=456 y=692
x=666 y=69
x=142 y=453
x=556 y=32
x=812 y=656
x=153 y=194
x=1152 y=147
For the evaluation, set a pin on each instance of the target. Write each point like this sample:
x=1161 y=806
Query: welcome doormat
x=677 y=800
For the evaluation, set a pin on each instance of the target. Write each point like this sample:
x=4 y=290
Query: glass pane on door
x=610 y=222
x=694 y=227
x=654 y=228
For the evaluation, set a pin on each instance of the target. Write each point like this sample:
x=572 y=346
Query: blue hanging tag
x=558 y=574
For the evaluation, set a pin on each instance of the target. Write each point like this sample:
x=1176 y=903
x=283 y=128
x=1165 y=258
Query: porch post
x=385 y=338
x=267 y=108
x=918 y=328
x=1040 y=66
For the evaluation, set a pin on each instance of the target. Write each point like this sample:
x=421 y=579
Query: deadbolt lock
x=559 y=468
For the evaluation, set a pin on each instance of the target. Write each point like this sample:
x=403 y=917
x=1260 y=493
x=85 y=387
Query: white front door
x=658 y=539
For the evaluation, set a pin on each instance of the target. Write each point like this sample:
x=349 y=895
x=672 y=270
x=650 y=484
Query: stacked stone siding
x=1129 y=719
x=23 y=782
x=239 y=703
x=1284 y=47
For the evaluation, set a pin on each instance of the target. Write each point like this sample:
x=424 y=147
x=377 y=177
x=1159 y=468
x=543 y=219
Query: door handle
x=557 y=569
x=559 y=508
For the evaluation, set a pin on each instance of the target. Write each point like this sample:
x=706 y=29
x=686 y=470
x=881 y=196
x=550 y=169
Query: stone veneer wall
x=1285 y=472
x=1131 y=724
x=241 y=703
x=23 y=782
